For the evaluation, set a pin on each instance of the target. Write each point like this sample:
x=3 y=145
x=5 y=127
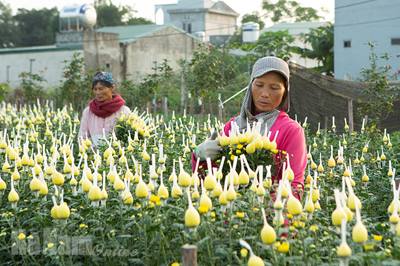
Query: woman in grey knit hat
x=267 y=101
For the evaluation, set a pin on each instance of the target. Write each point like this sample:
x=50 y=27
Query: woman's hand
x=209 y=148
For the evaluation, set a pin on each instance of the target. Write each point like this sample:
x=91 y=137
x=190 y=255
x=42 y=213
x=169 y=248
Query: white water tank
x=251 y=32
x=201 y=35
x=76 y=16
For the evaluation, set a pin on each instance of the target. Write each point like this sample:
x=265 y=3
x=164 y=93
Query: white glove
x=209 y=148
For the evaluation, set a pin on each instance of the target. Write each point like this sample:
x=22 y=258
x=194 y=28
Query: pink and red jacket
x=93 y=125
x=290 y=139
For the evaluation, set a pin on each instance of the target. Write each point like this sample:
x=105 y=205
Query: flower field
x=135 y=201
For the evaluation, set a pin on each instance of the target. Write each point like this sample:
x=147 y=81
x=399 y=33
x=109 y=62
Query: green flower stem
x=369 y=199
x=277 y=225
x=62 y=260
x=145 y=232
x=169 y=248
x=303 y=237
x=251 y=210
x=329 y=251
x=209 y=241
x=121 y=210
x=241 y=261
x=230 y=233
x=162 y=246
x=274 y=254
x=6 y=246
x=17 y=217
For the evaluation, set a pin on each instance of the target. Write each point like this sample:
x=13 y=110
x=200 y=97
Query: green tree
x=159 y=81
x=109 y=14
x=208 y=72
x=322 y=43
x=138 y=21
x=254 y=17
x=31 y=85
x=36 y=27
x=276 y=43
x=145 y=90
x=237 y=37
x=380 y=95
x=288 y=11
x=4 y=90
x=269 y=43
x=8 y=29
x=76 y=88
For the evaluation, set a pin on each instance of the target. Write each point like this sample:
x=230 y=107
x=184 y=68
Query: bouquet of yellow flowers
x=133 y=125
x=258 y=149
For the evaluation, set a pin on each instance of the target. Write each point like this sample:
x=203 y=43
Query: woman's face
x=268 y=91
x=103 y=93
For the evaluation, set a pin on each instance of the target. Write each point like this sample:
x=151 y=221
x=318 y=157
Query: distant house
x=356 y=23
x=37 y=58
x=200 y=17
x=296 y=29
x=142 y=45
x=120 y=50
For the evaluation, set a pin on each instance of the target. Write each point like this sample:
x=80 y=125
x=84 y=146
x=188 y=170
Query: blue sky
x=146 y=8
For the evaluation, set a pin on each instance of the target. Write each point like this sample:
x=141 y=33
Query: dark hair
x=104 y=83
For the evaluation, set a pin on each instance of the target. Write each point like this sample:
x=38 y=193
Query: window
x=347 y=44
x=108 y=66
x=187 y=27
x=395 y=41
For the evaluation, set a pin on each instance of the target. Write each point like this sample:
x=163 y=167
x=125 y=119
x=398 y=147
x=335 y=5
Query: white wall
x=182 y=4
x=306 y=62
x=20 y=62
x=360 y=21
x=197 y=19
x=219 y=24
x=170 y=45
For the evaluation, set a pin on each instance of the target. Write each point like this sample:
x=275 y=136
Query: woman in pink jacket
x=100 y=115
x=267 y=100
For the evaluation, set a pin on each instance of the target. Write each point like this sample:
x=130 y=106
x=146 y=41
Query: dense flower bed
x=135 y=200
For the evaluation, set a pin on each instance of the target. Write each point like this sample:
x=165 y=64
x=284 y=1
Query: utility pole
x=183 y=84
x=248 y=69
x=221 y=107
x=30 y=68
x=8 y=74
x=155 y=93
x=96 y=4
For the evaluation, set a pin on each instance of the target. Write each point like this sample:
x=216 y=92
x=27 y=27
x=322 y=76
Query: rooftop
x=130 y=34
x=295 y=28
x=39 y=49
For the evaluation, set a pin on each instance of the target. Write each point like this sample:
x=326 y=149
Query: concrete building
x=101 y=49
x=35 y=60
x=296 y=29
x=203 y=16
x=356 y=23
x=119 y=50
x=142 y=45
